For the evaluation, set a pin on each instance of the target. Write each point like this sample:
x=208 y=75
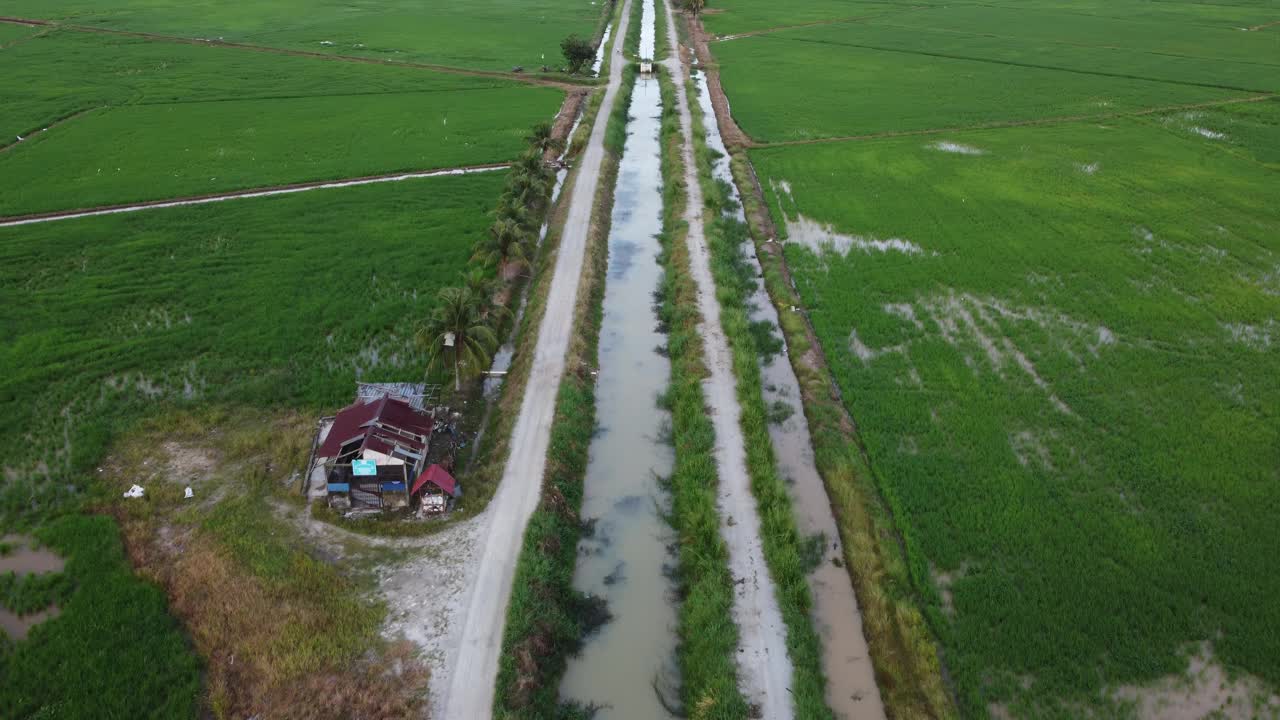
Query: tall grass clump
x=783 y=543
x=708 y=638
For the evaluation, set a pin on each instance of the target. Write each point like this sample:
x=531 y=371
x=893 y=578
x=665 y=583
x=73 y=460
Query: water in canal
x=851 y=688
x=623 y=560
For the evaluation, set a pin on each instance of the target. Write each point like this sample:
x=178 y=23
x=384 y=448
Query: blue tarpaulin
x=339 y=487
x=393 y=487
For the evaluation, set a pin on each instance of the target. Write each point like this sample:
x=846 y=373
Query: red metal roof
x=360 y=420
x=437 y=476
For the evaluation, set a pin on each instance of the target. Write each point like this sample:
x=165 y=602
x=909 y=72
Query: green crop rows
x=1067 y=386
x=278 y=300
x=1059 y=341
x=484 y=34
x=164 y=120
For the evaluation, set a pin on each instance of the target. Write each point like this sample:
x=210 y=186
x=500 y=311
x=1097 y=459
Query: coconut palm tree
x=541 y=139
x=457 y=335
x=504 y=234
x=478 y=282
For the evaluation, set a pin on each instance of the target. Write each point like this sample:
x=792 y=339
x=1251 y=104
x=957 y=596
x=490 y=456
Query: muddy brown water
x=851 y=687
x=623 y=560
x=24 y=559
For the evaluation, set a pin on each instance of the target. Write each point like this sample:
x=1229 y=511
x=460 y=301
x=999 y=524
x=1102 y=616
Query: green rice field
x=163 y=120
x=912 y=68
x=1061 y=345
x=1039 y=243
x=484 y=34
x=274 y=301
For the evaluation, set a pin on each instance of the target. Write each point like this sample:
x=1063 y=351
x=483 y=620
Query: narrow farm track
x=1011 y=63
x=515 y=77
x=60 y=121
x=243 y=194
x=781 y=28
x=1020 y=123
x=764 y=669
x=467 y=690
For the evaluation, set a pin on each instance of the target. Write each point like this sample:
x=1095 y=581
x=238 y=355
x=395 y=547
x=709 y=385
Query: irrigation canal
x=851 y=687
x=624 y=666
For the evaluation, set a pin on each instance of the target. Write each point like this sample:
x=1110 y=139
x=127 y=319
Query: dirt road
x=240 y=194
x=764 y=670
x=469 y=684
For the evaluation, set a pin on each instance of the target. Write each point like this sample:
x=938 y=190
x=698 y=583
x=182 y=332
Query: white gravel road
x=466 y=689
x=764 y=670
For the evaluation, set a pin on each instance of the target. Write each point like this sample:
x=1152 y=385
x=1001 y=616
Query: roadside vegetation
x=708 y=639
x=547 y=617
x=784 y=546
x=475 y=313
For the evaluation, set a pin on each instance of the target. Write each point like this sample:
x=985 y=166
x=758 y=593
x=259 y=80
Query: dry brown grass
x=283 y=635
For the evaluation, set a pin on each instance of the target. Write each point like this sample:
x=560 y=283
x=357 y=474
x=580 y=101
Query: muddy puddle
x=23 y=558
x=851 y=686
x=621 y=665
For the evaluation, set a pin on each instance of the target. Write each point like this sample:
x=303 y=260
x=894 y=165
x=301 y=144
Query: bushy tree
x=577 y=52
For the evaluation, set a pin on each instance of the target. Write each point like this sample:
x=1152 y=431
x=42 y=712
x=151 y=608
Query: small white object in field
x=136 y=491
x=188 y=494
x=19 y=138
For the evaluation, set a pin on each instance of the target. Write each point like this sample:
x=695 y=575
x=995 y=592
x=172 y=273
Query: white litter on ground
x=951 y=147
x=1211 y=134
x=136 y=491
x=1090 y=168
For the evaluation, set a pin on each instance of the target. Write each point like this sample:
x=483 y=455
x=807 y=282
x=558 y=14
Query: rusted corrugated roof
x=439 y=477
x=378 y=420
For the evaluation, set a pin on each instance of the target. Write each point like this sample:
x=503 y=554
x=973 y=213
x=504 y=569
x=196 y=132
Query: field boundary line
x=815 y=23
x=272 y=191
x=1068 y=43
x=206 y=42
x=31 y=134
x=1010 y=63
x=1263 y=26
x=1017 y=123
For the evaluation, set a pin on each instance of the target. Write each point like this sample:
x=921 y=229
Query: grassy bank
x=905 y=654
x=903 y=649
x=547 y=617
x=708 y=638
x=735 y=282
